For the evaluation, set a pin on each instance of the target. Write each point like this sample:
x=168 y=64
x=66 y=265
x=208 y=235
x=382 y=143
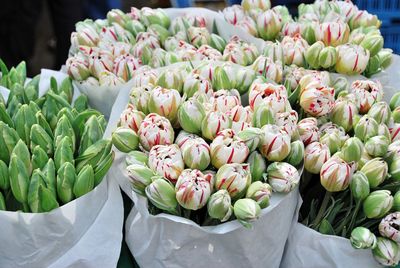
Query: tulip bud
x=351 y=150
x=213 y=123
x=263 y=116
x=377 y=204
x=192 y=189
x=39 y=158
x=385 y=57
x=19 y=179
x=155 y=130
x=327 y=57
x=217 y=42
x=366 y=128
x=77 y=68
x=380 y=111
x=343 y=114
x=65 y=180
x=312 y=54
x=287 y=121
x=136 y=157
x=275 y=143
x=335 y=175
x=316 y=99
x=219 y=205
x=125 y=139
x=296 y=154
x=140 y=176
x=332 y=140
x=235 y=178
x=196 y=154
x=151 y=16
x=190 y=116
x=359 y=186
x=221 y=78
x=4 y=176
x=308 y=130
x=266 y=67
x=395 y=168
x=376 y=171
x=377 y=146
x=352 y=59
x=333 y=33
x=161 y=194
x=198 y=36
x=282 y=176
x=251 y=137
x=164 y=102
x=246 y=210
x=170 y=79
x=260 y=192
x=92 y=132
x=362 y=238
x=367 y=93
x=166 y=160
x=138 y=97
x=225 y=100
x=21 y=150
x=94 y=155
x=131 y=118
x=39 y=137
x=64 y=153
x=269 y=24
x=389 y=226
x=386 y=252
x=373 y=43
x=64 y=128
x=316 y=154
x=258 y=165
x=23 y=120
x=195 y=83
x=36 y=181
x=84 y=182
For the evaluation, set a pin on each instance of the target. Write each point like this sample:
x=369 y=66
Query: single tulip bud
x=316 y=99
x=183 y=138
x=287 y=121
x=366 y=93
x=327 y=57
x=269 y=24
x=385 y=57
x=386 y=252
x=235 y=178
x=22 y=151
x=221 y=78
x=131 y=118
x=64 y=153
x=376 y=171
x=198 y=36
x=263 y=116
x=144 y=77
x=389 y=226
x=274 y=51
x=134 y=27
x=373 y=43
x=140 y=176
x=308 y=130
x=269 y=69
x=164 y=102
x=332 y=140
x=258 y=165
x=366 y=128
x=359 y=186
x=65 y=181
x=352 y=59
x=155 y=130
x=251 y=137
x=333 y=33
x=296 y=154
x=335 y=175
x=93 y=131
x=246 y=210
x=77 y=68
x=136 y=157
x=377 y=146
x=275 y=143
x=125 y=139
x=269 y=95
x=213 y=123
x=19 y=178
x=248 y=5
x=352 y=149
x=64 y=128
x=192 y=189
x=282 y=176
x=170 y=79
x=393 y=152
x=380 y=111
x=396 y=115
x=295 y=49
x=244 y=78
x=217 y=42
x=137 y=107
x=195 y=83
x=151 y=16
x=225 y=100
x=219 y=205
x=343 y=114
x=39 y=158
x=24 y=119
x=209 y=53
x=4 y=176
x=316 y=154
x=166 y=160
x=377 y=204
x=362 y=238
x=312 y=54
x=260 y=192
x=84 y=182
x=190 y=116
x=196 y=154
x=161 y=194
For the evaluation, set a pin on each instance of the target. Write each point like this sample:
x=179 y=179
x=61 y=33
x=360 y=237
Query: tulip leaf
x=59 y=100
x=53 y=85
x=3 y=68
x=81 y=103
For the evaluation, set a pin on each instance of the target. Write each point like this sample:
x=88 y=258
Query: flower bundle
x=194 y=151
x=331 y=35
x=52 y=148
x=350 y=185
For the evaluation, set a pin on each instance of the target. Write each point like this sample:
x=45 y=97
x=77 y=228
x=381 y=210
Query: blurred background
x=38 y=31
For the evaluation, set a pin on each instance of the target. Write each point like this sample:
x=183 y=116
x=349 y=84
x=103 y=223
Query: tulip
x=362 y=238
x=24 y=119
x=262 y=116
x=377 y=204
x=392 y=152
x=328 y=57
x=266 y=67
x=84 y=182
x=154 y=16
x=373 y=43
x=170 y=79
x=376 y=171
x=195 y=83
x=363 y=19
x=333 y=33
x=247 y=24
x=209 y=53
x=140 y=176
x=22 y=151
x=395 y=168
x=39 y=137
x=198 y=36
x=196 y=154
x=394 y=131
x=359 y=186
x=190 y=116
x=332 y=140
x=312 y=54
x=64 y=153
x=39 y=158
x=136 y=157
x=282 y=176
x=274 y=51
x=248 y=5
x=366 y=128
x=166 y=160
x=258 y=165
x=92 y=132
x=197 y=20
x=64 y=128
x=316 y=154
x=296 y=154
x=125 y=139
x=235 y=178
x=308 y=130
x=19 y=179
x=77 y=68
x=138 y=97
x=155 y=130
x=335 y=175
x=386 y=252
x=225 y=100
x=351 y=150
x=251 y=137
x=380 y=111
x=287 y=121
x=192 y=189
x=268 y=24
x=183 y=138
x=116 y=33
x=179 y=24
x=352 y=59
x=164 y=102
x=396 y=115
x=144 y=76
x=246 y=210
x=131 y=118
x=389 y=226
x=295 y=49
x=223 y=77
x=219 y=205
x=316 y=99
x=244 y=78
x=343 y=114
x=108 y=79
x=275 y=143
x=265 y=94
x=377 y=146
x=291 y=28
x=125 y=65
x=4 y=176
x=134 y=27
x=99 y=61
x=260 y=192
x=213 y=123
x=161 y=194
x=65 y=180
x=233 y=14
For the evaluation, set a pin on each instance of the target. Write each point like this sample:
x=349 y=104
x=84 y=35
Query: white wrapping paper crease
x=86 y=232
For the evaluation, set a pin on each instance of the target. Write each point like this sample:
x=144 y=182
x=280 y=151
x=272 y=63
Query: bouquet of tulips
x=201 y=151
x=52 y=149
x=331 y=35
x=350 y=186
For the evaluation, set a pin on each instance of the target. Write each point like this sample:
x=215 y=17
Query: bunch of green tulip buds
x=351 y=183
x=51 y=148
x=195 y=151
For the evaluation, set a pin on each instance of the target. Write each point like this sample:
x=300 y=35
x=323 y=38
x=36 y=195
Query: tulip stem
x=322 y=209
x=353 y=218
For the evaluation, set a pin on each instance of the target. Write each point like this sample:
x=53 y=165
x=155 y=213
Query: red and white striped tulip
x=366 y=93
x=389 y=226
x=333 y=33
x=131 y=118
x=266 y=94
x=166 y=161
x=351 y=59
x=316 y=154
x=308 y=130
x=282 y=176
x=213 y=123
x=155 y=130
x=295 y=49
x=287 y=121
x=265 y=66
x=275 y=143
x=335 y=174
x=100 y=61
x=196 y=154
x=125 y=65
x=233 y=14
x=235 y=178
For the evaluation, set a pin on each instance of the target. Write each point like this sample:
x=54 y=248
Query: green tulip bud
x=221 y=79
x=64 y=153
x=308 y=33
x=373 y=66
x=359 y=186
x=251 y=137
x=362 y=238
x=63 y=129
x=102 y=167
x=39 y=137
x=313 y=53
x=219 y=205
x=327 y=57
x=155 y=16
x=377 y=204
x=39 y=158
x=67 y=89
x=134 y=27
x=246 y=210
x=373 y=43
x=340 y=85
x=385 y=57
x=8 y=140
x=33 y=192
x=47 y=199
x=258 y=165
x=376 y=171
x=377 y=146
x=217 y=42
x=170 y=79
x=140 y=177
x=386 y=252
x=92 y=133
x=65 y=181
x=260 y=192
x=396 y=201
x=159 y=31
x=332 y=140
x=4 y=116
x=366 y=128
x=161 y=194
x=125 y=139
x=396 y=115
x=4 y=177
x=343 y=114
x=136 y=157
x=49 y=172
x=41 y=120
x=383 y=130
x=263 y=116
x=19 y=179
x=394 y=168
x=24 y=119
x=395 y=101
x=244 y=78
x=296 y=155
x=50 y=110
x=21 y=150
x=84 y=182
x=352 y=150
x=94 y=154
x=190 y=116
x=380 y=111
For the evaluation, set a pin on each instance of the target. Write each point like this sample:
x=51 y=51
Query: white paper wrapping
x=86 y=232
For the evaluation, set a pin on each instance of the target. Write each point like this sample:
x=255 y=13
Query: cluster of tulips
x=52 y=149
x=331 y=35
x=193 y=147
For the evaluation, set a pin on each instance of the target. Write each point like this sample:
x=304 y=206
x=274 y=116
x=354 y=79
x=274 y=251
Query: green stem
x=207 y=221
x=353 y=217
x=346 y=218
x=322 y=209
x=25 y=207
